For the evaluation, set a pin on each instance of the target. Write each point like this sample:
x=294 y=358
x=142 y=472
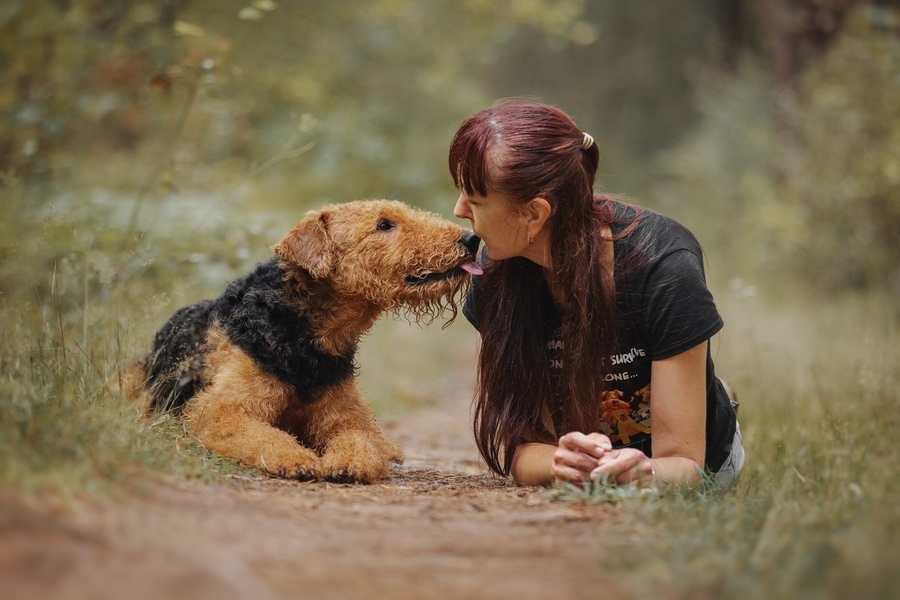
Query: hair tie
x=587 y=142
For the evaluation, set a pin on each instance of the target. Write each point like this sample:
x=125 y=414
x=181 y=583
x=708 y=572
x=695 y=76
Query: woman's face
x=496 y=221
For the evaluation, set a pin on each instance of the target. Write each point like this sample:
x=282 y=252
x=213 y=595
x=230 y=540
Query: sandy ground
x=438 y=527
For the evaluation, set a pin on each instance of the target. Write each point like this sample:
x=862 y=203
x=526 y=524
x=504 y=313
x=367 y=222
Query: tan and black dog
x=266 y=372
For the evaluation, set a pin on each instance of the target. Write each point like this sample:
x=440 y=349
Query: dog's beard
x=434 y=300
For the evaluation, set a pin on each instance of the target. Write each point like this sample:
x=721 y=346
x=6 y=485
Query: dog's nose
x=470 y=241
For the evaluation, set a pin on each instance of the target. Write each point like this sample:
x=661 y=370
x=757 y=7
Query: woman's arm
x=678 y=415
x=677 y=421
x=533 y=464
x=572 y=459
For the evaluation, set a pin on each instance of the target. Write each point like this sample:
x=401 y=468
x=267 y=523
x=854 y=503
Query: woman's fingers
x=595 y=444
x=566 y=474
x=624 y=466
x=577 y=455
x=578 y=460
x=602 y=441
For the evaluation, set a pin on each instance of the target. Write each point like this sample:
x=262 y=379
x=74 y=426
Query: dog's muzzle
x=470 y=241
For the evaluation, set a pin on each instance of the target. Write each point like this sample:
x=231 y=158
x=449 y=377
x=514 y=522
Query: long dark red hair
x=520 y=150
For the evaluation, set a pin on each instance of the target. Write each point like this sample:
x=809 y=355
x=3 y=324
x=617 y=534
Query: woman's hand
x=578 y=455
x=625 y=465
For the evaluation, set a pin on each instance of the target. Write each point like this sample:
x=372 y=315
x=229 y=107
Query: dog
x=266 y=373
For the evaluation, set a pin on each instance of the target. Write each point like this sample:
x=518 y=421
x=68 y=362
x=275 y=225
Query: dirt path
x=439 y=527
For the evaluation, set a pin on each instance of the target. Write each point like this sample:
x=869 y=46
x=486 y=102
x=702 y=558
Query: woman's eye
x=385 y=225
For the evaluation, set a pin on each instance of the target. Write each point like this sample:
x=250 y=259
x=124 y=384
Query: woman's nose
x=461 y=210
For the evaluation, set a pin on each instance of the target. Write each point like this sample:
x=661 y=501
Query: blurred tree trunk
x=781 y=53
x=797 y=32
x=732 y=23
x=780 y=50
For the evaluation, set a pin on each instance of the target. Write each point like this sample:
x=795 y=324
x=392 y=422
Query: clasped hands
x=583 y=457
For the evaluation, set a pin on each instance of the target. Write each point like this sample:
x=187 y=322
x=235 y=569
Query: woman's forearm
x=533 y=464
x=676 y=470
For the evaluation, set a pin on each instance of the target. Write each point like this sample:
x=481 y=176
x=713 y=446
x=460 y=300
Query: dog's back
x=174 y=368
x=258 y=315
x=266 y=316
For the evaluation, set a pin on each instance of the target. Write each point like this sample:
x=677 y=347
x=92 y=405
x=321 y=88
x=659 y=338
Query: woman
x=584 y=302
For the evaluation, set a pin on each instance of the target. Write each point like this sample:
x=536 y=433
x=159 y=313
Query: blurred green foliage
x=799 y=183
x=380 y=86
x=71 y=77
x=215 y=111
x=844 y=178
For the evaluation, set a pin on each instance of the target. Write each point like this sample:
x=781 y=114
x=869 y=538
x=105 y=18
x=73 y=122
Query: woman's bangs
x=468 y=164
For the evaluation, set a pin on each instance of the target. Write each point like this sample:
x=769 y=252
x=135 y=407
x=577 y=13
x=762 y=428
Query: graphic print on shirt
x=625 y=404
x=618 y=422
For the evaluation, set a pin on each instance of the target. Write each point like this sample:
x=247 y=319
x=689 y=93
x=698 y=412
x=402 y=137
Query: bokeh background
x=152 y=150
x=772 y=128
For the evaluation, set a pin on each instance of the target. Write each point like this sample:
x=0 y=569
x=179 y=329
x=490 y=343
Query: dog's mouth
x=470 y=267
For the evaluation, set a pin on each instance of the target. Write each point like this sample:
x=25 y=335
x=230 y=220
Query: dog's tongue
x=473 y=268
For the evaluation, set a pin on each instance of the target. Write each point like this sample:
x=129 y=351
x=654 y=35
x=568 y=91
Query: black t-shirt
x=664 y=308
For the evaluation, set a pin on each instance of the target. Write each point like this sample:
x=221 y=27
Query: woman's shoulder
x=650 y=233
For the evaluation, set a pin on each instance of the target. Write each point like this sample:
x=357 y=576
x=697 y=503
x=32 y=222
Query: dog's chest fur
x=258 y=316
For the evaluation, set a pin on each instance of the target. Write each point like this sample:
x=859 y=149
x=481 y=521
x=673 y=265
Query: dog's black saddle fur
x=259 y=317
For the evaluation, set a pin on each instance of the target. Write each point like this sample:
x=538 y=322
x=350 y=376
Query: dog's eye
x=385 y=225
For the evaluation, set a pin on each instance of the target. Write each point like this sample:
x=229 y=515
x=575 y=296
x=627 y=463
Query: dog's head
x=384 y=252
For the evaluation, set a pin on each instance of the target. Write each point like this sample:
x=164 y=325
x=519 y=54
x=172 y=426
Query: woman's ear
x=537 y=213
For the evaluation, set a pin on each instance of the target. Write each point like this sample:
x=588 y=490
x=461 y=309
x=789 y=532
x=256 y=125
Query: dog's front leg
x=353 y=447
x=234 y=416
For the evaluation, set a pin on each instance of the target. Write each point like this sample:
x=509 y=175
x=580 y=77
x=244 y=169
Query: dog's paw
x=359 y=456
x=346 y=475
x=357 y=472
x=302 y=470
x=300 y=474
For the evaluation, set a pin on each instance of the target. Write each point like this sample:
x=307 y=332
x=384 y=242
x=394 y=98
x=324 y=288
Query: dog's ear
x=308 y=245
